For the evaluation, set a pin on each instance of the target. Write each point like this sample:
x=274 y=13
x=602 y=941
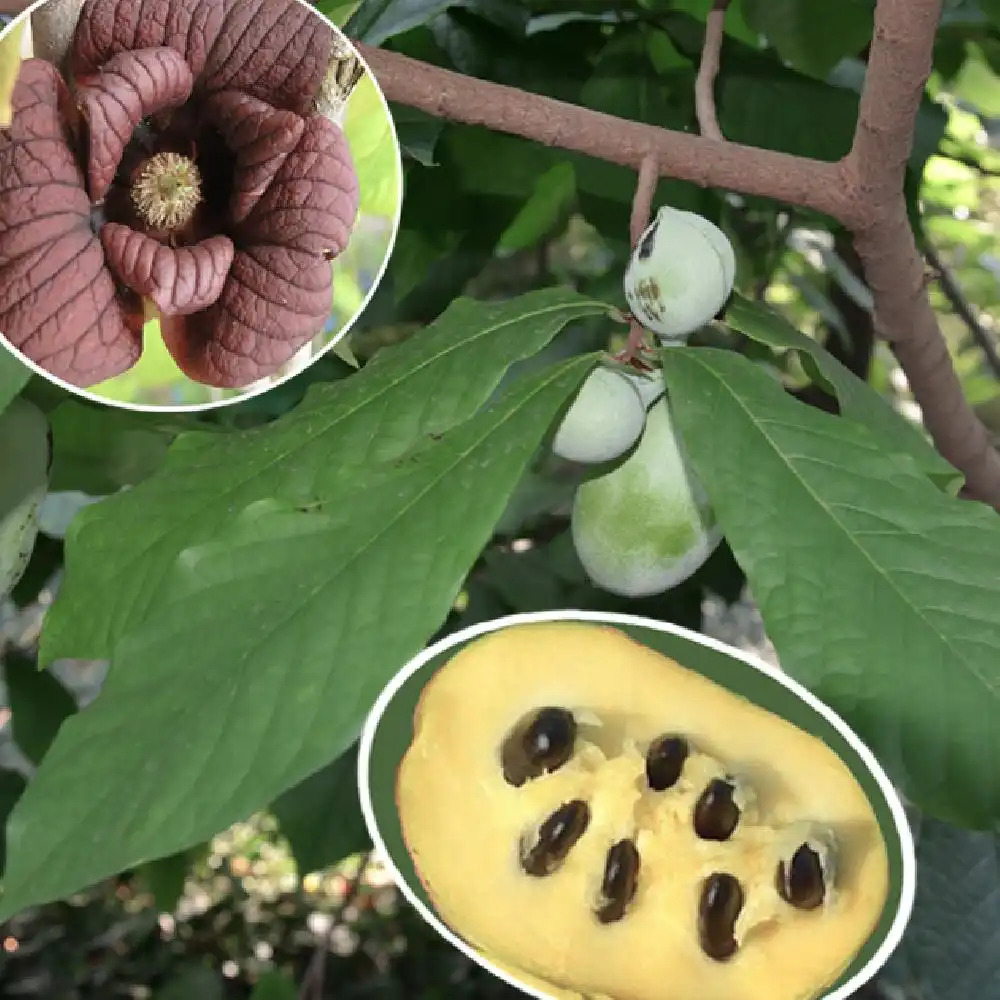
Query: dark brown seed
x=556 y=838
x=621 y=878
x=716 y=815
x=801 y=882
x=665 y=761
x=541 y=744
x=718 y=911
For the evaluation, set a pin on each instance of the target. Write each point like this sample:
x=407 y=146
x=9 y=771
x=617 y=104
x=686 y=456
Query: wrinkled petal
x=274 y=302
x=57 y=299
x=180 y=281
x=107 y=27
x=313 y=200
x=129 y=86
x=276 y=50
x=260 y=136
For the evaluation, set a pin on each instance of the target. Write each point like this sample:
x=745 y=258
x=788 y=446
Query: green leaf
x=39 y=704
x=193 y=981
x=545 y=211
x=13 y=377
x=12 y=787
x=417 y=133
x=119 y=550
x=812 y=35
x=165 y=877
x=269 y=642
x=275 y=986
x=951 y=949
x=880 y=592
x=321 y=816
x=338 y=11
x=377 y=20
x=373 y=150
x=98 y=450
x=857 y=399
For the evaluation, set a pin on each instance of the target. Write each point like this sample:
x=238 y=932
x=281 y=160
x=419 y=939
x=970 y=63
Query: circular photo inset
x=593 y=805
x=197 y=197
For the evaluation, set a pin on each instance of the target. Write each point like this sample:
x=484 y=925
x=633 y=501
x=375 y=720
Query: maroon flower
x=185 y=166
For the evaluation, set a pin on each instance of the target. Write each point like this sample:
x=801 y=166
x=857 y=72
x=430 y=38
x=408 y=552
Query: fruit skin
x=461 y=820
x=24 y=462
x=647 y=525
x=603 y=422
x=649 y=385
x=680 y=274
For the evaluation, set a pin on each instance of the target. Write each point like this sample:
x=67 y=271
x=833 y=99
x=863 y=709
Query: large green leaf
x=275 y=986
x=951 y=949
x=39 y=704
x=377 y=20
x=267 y=646
x=857 y=399
x=321 y=816
x=812 y=35
x=880 y=592
x=98 y=450
x=119 y=550
x=13 y=377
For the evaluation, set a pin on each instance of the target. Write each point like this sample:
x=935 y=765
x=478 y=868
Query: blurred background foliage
x=493 y=216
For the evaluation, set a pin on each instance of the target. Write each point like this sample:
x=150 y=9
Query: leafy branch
x=863 y=191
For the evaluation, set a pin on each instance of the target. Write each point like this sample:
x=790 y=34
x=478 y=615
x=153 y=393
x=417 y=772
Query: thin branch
x=963 y=309
x=642 y=200
x=708 y=70
x=459 y=98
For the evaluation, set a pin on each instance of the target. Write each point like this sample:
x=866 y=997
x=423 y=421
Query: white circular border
x=909 y=873
x=117 y=404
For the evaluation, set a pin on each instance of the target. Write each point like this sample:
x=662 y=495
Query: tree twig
x=864 y=192
x=963 y=309
x=708 y=70
x=642 y=200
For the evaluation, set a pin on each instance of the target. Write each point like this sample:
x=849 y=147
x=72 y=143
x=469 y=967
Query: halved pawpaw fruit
x=599 y=821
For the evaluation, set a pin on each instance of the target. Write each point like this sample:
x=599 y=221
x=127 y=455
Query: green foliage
x=878 y=590
x=321 y=816
x=275 y=986
x=256 y=574
x=282 y=575
x=39 y=704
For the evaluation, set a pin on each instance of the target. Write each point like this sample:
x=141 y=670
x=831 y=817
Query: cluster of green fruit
x=647 y=525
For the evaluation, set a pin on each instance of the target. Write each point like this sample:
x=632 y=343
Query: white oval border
x=907 y=847
x=219 y=404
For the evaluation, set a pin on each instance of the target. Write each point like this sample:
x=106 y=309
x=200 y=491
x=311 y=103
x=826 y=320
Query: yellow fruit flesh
x=463 y=822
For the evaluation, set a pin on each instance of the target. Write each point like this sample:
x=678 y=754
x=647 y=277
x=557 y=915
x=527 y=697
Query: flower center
x=167 y=190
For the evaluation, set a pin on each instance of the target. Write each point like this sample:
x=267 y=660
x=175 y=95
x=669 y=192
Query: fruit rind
x=603 y=421
x=680 y=274
x=646 y=526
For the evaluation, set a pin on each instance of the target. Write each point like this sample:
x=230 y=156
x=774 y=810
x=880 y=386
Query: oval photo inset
x=594 y=804
x=197 y=197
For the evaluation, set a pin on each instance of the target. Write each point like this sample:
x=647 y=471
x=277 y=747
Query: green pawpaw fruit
x=647 y=525
x=599 y=821
x=24 y=481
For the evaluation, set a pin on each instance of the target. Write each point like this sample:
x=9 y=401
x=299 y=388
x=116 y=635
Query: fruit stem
x=167 y=190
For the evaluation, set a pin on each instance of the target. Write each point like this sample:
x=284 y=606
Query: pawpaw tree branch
x=708 y=70
x=863 y=191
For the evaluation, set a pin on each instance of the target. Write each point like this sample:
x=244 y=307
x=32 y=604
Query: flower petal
x=107 y=27
x=277 y=50
x=313 y=200
x=260 y=136
x=57 y=299
x=275 y=302
x=128 y=87
x=179 y=281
